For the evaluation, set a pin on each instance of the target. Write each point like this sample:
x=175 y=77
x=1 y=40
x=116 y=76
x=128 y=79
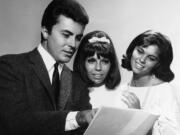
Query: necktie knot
x=56 y=65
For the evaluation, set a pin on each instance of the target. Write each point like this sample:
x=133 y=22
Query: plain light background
x=121 y=19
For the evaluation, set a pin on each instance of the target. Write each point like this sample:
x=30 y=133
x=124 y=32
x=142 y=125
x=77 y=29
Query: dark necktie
x=56 y=82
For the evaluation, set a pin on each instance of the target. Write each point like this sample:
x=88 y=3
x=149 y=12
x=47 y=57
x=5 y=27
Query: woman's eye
x=152 y=58
x=140 y=50
x=106 y=61
x=91 y=60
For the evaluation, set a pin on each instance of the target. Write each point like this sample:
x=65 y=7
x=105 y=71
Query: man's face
x=64 y=38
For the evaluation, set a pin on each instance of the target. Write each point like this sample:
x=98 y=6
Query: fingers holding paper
x=83 y=118
x=131 y=100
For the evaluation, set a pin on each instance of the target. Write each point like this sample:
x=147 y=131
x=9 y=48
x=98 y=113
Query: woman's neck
x=143 y=81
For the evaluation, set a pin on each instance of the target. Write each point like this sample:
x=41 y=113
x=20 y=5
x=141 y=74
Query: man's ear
x=44 y=32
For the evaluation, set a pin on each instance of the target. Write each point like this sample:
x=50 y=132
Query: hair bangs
x=101 y=49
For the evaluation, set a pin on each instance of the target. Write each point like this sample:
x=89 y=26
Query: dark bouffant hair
x=150 y=37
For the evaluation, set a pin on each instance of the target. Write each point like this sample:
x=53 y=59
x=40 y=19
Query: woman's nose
x=98 y=66
x=143 y=59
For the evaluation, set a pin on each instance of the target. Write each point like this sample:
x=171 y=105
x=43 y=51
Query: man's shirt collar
x=49 y=61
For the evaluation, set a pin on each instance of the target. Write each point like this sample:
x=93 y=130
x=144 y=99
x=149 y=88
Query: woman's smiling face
x=144 y=59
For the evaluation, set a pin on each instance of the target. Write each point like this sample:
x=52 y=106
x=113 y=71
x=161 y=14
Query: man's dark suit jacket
x=27 y=105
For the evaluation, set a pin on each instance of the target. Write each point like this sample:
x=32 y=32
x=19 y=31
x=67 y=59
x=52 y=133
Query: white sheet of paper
x=115 y=121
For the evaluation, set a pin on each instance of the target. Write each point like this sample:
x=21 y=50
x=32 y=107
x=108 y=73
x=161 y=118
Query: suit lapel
x=66 y=86
x=41 y=71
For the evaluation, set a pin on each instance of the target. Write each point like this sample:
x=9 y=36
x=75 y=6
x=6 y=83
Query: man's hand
x=83 y=118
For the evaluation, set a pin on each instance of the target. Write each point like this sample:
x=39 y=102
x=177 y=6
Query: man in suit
x=28 y=102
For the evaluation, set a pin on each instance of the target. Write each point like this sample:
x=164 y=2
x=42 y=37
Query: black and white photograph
x=89 y=67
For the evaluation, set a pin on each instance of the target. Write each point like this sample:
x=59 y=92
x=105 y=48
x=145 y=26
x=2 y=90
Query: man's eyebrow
x=67 y=31
x=71 y=33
